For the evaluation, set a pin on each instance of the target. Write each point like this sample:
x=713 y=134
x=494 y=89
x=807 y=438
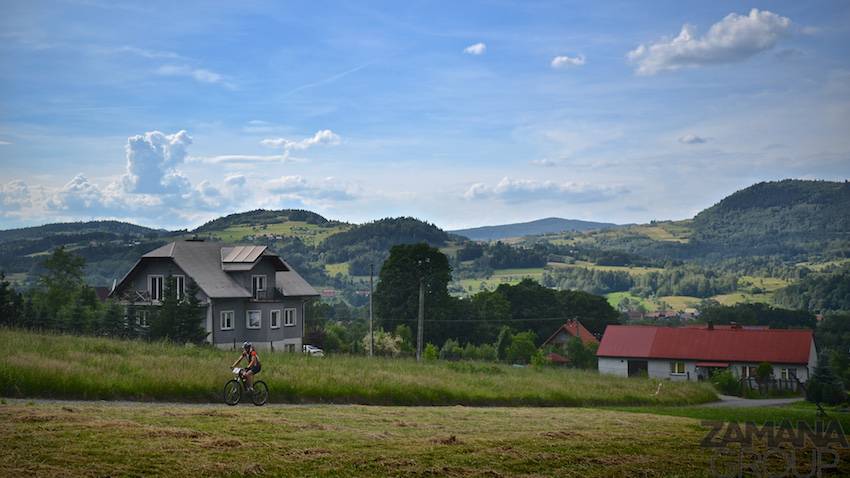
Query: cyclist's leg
x=249 y=379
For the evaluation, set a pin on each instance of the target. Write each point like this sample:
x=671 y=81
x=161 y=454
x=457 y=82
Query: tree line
x=60 y=300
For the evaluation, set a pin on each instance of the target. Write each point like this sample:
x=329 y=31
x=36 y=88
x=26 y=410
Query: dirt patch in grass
x=449 y=440
x=173 y=432
x=224 y=443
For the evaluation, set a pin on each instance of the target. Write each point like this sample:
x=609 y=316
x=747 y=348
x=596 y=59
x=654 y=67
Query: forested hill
x=261 y=217
x=783 y=217
x=540 y=226
x=372 y=241
x=73 y=228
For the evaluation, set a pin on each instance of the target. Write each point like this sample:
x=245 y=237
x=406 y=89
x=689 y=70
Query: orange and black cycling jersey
x=250 y=356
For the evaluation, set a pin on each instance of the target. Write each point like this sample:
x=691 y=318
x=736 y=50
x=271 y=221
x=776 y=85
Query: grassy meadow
x=311 y=234
x=62 y=366
x=91 y=439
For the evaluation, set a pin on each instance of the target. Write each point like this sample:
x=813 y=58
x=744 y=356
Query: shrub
x=522 y=348
x=825 y=386
x=726 y=382
x=764 y=372
x=431 y=352
x=451 y=350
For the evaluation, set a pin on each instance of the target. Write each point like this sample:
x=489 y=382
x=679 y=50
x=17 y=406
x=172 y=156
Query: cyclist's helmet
x=247 y=346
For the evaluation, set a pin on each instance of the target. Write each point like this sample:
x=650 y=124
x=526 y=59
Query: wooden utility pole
x=420 y=327
x=371 y=330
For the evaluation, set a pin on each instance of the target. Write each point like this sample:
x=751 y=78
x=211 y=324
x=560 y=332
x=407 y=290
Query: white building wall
x=614 y=366
x=660 y=368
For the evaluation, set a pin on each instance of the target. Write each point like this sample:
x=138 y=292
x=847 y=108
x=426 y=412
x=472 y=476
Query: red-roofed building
x=572 y=328
x=687 y=353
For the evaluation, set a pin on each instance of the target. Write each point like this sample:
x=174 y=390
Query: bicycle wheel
x=232 y=392
x=261 y=394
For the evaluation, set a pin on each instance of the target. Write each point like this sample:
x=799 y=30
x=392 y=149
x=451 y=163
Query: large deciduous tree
x=396 y=297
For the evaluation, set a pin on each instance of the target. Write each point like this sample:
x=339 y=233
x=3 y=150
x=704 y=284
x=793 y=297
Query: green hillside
x=540 y=226
x=788 y=218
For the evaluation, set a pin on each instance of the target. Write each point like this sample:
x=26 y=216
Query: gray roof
x=202 y=262
x=291 y=284
x=208 y=264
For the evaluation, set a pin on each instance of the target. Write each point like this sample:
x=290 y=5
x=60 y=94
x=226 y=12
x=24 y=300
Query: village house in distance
x=691 y=353
x=249 y=292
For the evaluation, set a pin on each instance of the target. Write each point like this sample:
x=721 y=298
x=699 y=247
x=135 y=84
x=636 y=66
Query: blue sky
x=168 y=114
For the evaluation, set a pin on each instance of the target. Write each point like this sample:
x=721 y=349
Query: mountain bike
x=235 y=387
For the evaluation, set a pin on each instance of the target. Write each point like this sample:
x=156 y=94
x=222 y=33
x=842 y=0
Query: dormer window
x=258 y=286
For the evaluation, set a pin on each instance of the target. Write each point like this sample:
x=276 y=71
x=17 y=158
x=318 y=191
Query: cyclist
x=249 y=353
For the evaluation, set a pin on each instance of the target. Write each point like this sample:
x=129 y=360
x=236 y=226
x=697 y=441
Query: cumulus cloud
x=325 y=191
x=79 y=195
x=322 y=137
x=152 y=159
x=692 y=139
x=198 y=74
x=476 y=49
x=564 y=61
x=528 y=190
x=14 y=195
x=734 y=38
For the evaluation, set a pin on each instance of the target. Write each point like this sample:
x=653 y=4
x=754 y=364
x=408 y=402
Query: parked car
x=313 y=351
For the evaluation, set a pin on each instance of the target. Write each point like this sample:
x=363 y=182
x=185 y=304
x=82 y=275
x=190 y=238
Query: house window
x=748 y=371
x=142 y=318
x=155 y=287
x=253 y=319
x=275 y=319
x=226 y=320
x=289 y=317
x=180 y=286
x=258 y=286
x=677 y=368
x=788 y=373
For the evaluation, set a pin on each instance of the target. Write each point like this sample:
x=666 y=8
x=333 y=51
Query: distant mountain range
x=541 y=226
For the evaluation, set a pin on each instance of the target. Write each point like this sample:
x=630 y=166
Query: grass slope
x=57 y=366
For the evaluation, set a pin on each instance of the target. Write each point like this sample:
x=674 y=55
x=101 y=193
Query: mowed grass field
x=61 y=366
x=91 y=439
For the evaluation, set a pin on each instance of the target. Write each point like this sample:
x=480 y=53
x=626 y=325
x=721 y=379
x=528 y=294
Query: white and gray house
x=249 y=293
x=695 y=353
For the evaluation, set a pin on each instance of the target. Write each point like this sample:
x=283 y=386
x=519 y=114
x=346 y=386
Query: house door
x=638 y=368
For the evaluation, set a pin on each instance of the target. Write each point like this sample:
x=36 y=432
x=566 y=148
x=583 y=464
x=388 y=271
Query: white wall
x=614 y=366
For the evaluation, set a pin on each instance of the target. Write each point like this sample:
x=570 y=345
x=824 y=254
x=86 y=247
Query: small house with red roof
x=572 y=328
x=690 y=353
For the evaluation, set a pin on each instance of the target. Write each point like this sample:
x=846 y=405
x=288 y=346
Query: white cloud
x=735 y=38
x=79 y=195
x=152 y=159
x=145 y=53
x=691 y=138
x=241 y=158
x=476 y=49
x=14 y=195
x=545 y=162
x=323 y=192
x=4 y=143
x=198 y=74
x=564 y=61
x=322 y=137
x=528 y=190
